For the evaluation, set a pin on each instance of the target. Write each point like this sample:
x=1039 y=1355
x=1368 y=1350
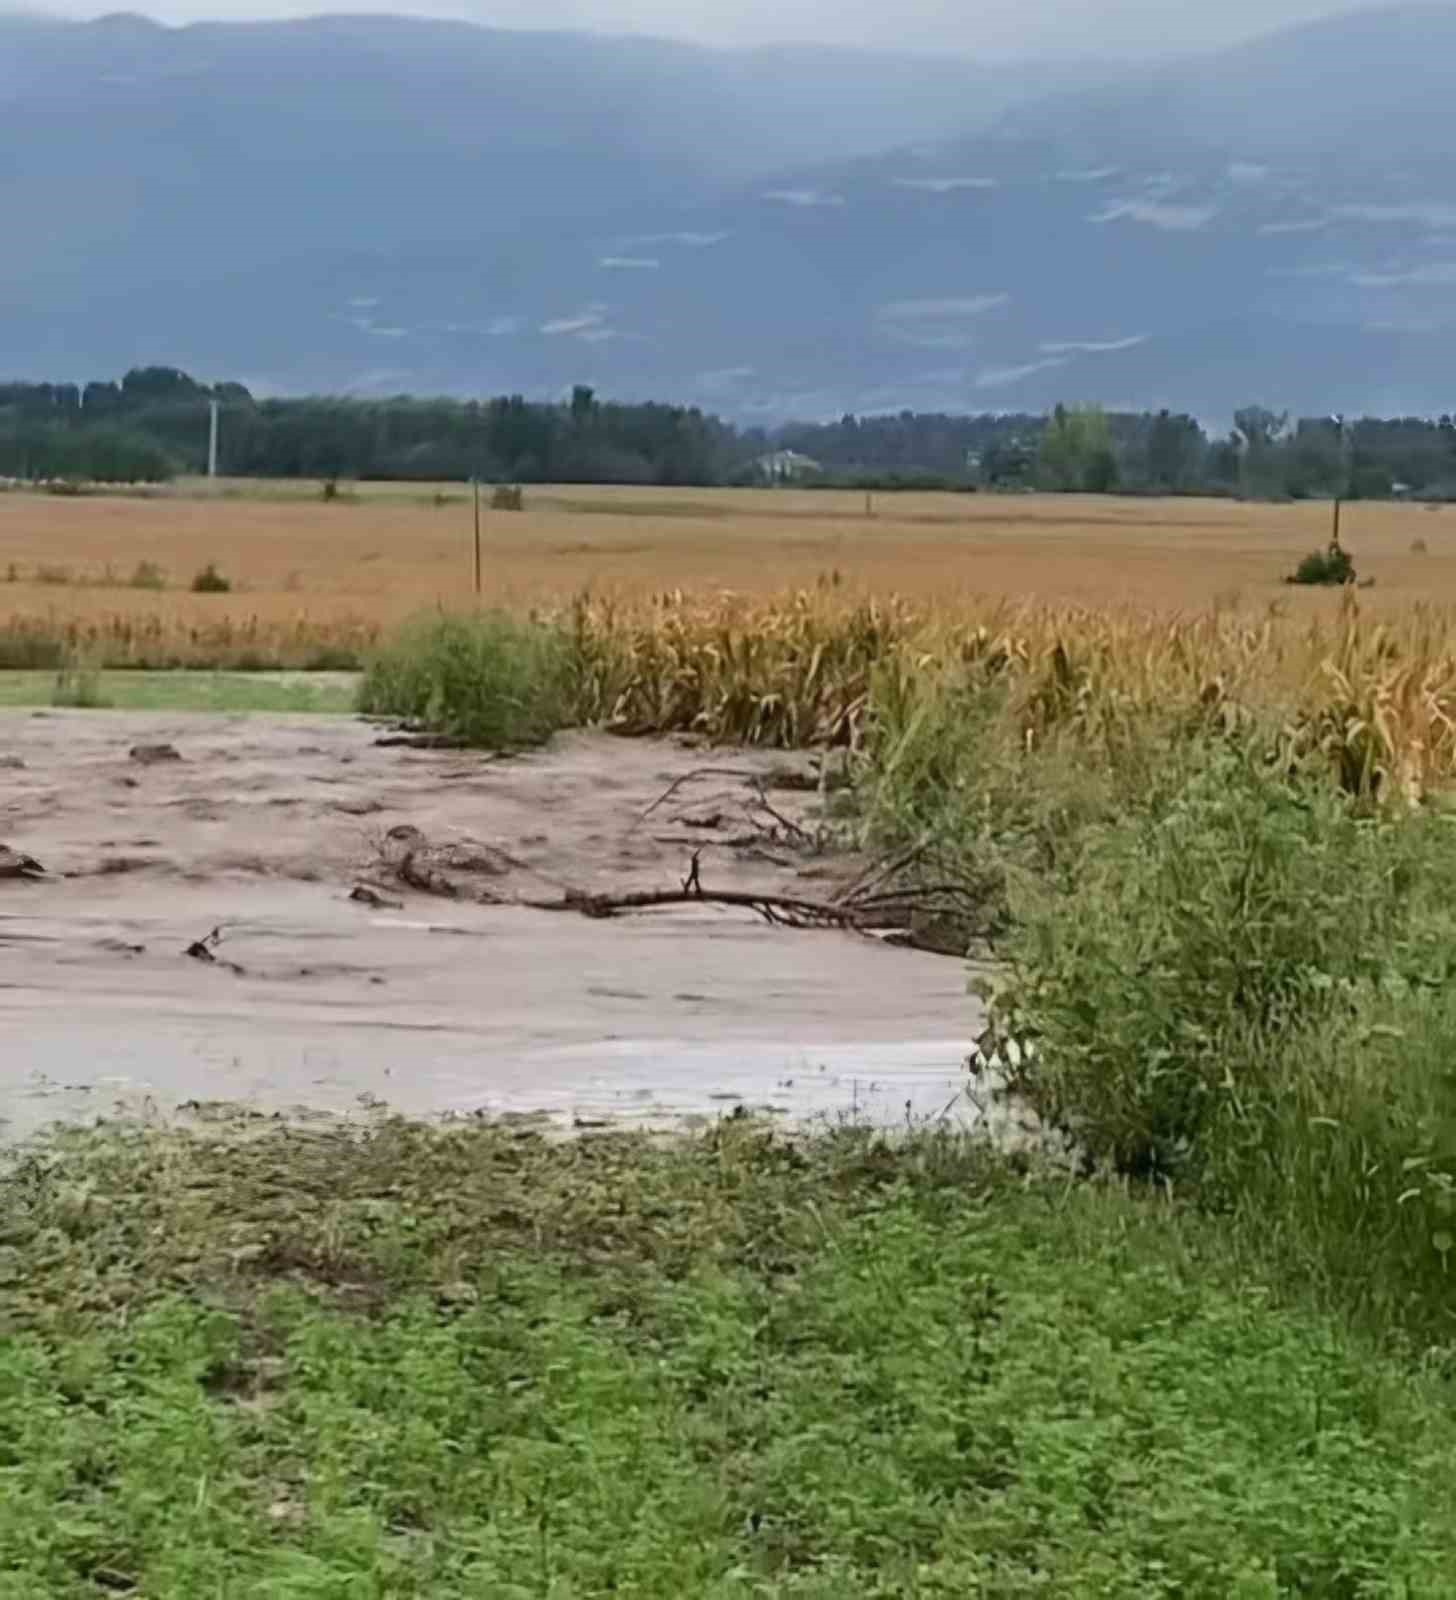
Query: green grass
x=462 y=1363
x=183 y=691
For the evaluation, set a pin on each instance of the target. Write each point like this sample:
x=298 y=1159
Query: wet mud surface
x=263 y=827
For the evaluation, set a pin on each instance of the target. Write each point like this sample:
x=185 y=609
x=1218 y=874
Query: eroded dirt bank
x=264 y=825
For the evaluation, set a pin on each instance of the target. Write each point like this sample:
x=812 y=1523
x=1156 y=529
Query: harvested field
x=305 y=572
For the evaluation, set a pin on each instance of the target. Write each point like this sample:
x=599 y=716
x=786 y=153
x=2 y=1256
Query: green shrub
x=148 y=575
x=332 y=658
x=78 y=686
x=1243 y=991
x=1330 y=567
x=28 y=645
x=211 y=581
x=492 y=680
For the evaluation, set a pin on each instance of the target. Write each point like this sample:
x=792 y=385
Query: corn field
x=1375 y=698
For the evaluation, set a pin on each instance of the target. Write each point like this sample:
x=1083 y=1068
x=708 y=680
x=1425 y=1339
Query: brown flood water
x=433 y=1006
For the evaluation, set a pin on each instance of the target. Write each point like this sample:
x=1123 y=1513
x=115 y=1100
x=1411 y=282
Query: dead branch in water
x=204 y=949
x=780 y=909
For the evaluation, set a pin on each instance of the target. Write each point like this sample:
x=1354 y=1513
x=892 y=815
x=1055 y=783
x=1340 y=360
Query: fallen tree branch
x=421 y=741
x=789 y=910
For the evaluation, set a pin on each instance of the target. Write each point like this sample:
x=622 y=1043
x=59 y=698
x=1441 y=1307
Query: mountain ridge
x=436 y=207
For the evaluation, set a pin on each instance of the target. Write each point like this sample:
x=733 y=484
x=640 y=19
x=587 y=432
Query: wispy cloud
x=724 y=379
x=688 y=239
x=1000 y=377
x=1433 y=274
x=364 y=302
x=1296 y=225
x=630 y=263
x=1313 y=269
x=806 y=198
x=1425 y=213
x=937 y=324
x=1156 y=214
x=370 y=326
x=944 y=185
x=584 y=323
x=1090 y=347
x=1087 y=175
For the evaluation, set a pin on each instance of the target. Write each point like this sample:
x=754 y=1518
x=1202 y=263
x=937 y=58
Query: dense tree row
x=155 y=422
x=56 y=429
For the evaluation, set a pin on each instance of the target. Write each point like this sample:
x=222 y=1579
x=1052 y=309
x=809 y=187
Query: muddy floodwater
x=262 y=827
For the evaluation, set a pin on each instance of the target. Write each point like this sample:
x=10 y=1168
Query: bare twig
x=882 y=871
x=790 y=827
x=688 y=777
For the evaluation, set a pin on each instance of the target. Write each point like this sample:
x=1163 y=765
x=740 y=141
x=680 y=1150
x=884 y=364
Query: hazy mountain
x=393 y=204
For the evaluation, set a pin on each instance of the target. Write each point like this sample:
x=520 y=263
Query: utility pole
x=475 y=484
x=212 y=441
x=1342 y=486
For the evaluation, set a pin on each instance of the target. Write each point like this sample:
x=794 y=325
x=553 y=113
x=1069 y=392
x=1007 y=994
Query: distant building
x=786 y=466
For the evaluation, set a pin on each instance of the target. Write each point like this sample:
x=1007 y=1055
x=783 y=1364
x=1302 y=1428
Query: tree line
x=153 y=424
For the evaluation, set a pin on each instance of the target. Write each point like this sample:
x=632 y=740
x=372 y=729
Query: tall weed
x=491 y=680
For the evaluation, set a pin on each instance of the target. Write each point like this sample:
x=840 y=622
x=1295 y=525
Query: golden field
x=776 y=615
x=385 y=552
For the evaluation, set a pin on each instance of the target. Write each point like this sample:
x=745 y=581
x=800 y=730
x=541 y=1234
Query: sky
x=1118 y=28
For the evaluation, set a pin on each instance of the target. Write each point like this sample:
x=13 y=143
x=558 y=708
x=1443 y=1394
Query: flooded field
x=263 y=827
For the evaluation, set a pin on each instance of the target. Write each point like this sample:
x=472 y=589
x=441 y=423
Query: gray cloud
x=1128 y=28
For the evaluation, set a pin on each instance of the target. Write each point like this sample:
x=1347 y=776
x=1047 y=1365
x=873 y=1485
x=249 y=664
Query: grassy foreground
x=462 y=1362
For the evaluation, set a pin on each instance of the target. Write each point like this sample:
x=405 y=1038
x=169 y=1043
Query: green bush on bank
x=491 y=680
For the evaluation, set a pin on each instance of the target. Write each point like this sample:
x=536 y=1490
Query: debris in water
x=150 y=754
x=15 y=864
x=203 y=950
x=371 y=897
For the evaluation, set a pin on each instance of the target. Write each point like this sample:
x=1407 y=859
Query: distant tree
x=1259 y=427
x=583 y=404
x=1076 y=452
x=1100 y=474
x=1007 y=464
x=1175 y=449
x=144 y=385
x=1260 y=432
